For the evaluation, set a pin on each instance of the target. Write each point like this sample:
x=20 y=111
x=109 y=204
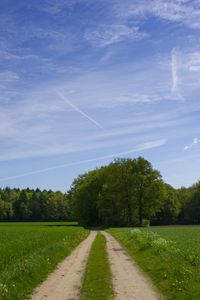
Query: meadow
x=170 y=255
x=29 y=251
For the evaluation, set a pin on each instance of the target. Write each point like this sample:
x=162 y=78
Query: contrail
x=145 y=146
x=174 y=70
x=79 y=111
x=32 y=143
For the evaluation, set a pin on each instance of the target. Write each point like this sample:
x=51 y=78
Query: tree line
x=33 y=205
x=127 y=192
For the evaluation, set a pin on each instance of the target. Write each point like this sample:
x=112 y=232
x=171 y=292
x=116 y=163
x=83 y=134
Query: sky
x=85 y=81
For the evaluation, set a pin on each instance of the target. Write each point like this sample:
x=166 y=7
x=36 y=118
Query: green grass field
x=97 y=282
x=169 y=255
x=29 y=251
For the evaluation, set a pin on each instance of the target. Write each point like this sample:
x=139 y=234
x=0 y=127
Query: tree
x=62 y=206
x=35 y=207
x=148 y=189
x=170 y=209
x=193 y=206
x=122 y=193
x=22 y=207
x=6 y=211
x=184 y=195
x=84 y=192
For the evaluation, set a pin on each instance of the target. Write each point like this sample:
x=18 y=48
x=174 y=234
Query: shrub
x=145 y=223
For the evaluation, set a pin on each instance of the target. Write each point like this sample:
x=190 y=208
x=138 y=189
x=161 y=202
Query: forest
x=127 y=192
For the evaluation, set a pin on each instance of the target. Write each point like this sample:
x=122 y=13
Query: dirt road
x=128 y=282
x=65 y=282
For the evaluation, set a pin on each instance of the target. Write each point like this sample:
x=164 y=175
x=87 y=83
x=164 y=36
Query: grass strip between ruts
x=97 y=280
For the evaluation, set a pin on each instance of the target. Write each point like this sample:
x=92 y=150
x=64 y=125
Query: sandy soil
x=128 y=282
x=65 y=282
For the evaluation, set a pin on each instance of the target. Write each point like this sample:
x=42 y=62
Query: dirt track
x=65 y=282
x=128 y=282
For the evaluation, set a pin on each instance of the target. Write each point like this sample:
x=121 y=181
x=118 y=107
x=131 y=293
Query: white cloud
x=38 y=117
x=174 y=70
x=8 y=76
x=193 y=61
x=106 y=35
x=185 y=12
x=106 y=57
x=19 y=54
x=172 y=10
x=185 y=66
x=148 y=98
x=29 y=149
x=194 y=143
x=142 y=147
x=138 y=127
x=53 y=7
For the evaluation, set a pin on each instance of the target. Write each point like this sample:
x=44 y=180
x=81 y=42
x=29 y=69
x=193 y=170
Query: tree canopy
x=123 y=193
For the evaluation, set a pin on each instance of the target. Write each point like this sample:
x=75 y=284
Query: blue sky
x=85 y=81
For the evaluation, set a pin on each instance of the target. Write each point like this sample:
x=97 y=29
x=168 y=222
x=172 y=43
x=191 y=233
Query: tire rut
x=129 y=283
x=65 y=282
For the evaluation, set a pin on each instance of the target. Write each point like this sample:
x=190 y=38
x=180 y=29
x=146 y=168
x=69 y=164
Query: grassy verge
x=173 y=269
x=29 y=251
x=97 y=282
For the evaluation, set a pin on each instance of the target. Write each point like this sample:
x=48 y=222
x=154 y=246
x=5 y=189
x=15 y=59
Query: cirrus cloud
x=106 y=35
